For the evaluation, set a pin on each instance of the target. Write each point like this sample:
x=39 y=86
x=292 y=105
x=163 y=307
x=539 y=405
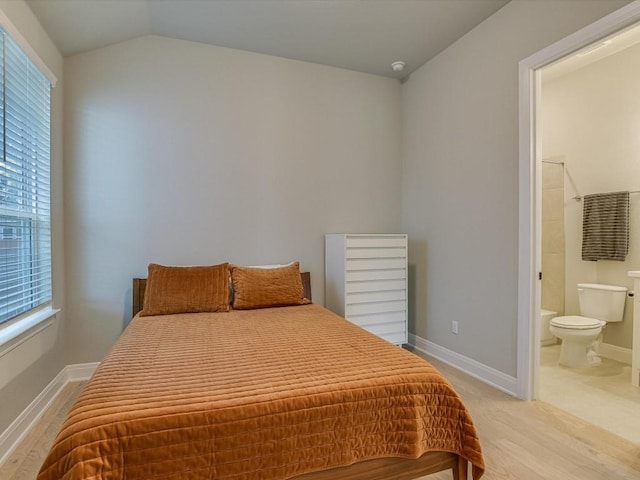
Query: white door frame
x=530 y=157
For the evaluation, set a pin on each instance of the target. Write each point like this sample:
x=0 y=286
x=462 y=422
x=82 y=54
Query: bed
x=261 y=393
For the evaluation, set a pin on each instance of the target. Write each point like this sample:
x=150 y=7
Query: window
x=25 y=224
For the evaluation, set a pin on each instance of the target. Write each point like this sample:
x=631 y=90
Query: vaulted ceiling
x=361 y=35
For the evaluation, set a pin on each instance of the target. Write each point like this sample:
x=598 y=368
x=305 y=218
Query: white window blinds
x=25 y=225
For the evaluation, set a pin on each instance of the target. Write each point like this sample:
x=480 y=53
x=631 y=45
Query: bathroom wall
x=592 y=117
x=553 y=244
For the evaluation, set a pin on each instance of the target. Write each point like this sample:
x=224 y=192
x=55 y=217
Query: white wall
x=460 y=177
x=592 y=117
x=16 y=395
x=184 y=153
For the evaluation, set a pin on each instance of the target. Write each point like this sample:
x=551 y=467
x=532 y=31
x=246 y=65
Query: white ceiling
x=361 y=35
x=595 y=52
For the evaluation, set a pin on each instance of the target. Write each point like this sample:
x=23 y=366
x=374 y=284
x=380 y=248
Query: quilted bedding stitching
x=265 y=394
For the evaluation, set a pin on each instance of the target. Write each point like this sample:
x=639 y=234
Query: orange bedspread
x=257 y=394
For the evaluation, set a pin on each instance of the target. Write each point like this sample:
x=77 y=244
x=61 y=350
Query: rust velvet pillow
x=267 y=287
x=186 y=290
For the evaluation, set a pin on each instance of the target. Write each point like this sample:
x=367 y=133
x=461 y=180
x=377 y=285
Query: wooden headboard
x=140 y=284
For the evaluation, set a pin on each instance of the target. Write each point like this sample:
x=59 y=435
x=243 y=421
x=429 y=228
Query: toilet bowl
x=578 y=335
x=599 y=304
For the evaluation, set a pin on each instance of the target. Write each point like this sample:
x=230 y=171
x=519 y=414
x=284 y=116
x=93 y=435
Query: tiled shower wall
x=553 y=244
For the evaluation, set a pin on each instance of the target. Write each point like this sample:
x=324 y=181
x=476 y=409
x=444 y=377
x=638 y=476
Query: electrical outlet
x=454 y=327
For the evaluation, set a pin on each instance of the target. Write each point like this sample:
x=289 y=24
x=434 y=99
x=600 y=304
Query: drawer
x=355 y=253
x=370 y=275
x=378 y=307
x=377 y=241
x=397 y=337
x=371 y=297
x=376 y=285
x=385 y=328
x=376 y=264
x=398 y=318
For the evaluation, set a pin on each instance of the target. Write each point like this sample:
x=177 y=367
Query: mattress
x=255 y=394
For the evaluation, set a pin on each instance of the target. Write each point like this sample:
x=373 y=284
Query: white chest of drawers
x=366 y=282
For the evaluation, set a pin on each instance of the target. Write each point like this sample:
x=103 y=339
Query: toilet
x=599 y=304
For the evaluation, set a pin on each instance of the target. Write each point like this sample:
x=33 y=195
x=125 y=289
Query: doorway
x=589 y=115
x=530 y=256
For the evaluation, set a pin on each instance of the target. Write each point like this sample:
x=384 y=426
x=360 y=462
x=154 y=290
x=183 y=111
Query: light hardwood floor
x=521 y=440
x=25 y=462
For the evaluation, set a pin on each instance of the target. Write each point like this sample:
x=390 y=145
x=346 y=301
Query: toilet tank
x=603 y=302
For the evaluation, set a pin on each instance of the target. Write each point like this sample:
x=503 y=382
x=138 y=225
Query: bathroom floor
x=602 y=395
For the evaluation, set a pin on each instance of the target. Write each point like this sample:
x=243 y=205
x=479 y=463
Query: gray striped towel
x=605 y=226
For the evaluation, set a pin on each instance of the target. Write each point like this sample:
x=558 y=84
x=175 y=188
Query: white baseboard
x=15 y=433
x=80 y=371
x=484 y=373
x=619 y=354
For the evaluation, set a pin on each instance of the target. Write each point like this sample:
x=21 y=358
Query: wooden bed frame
x=387 y=468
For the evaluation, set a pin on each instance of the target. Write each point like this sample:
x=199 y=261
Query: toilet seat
x=576 y=322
